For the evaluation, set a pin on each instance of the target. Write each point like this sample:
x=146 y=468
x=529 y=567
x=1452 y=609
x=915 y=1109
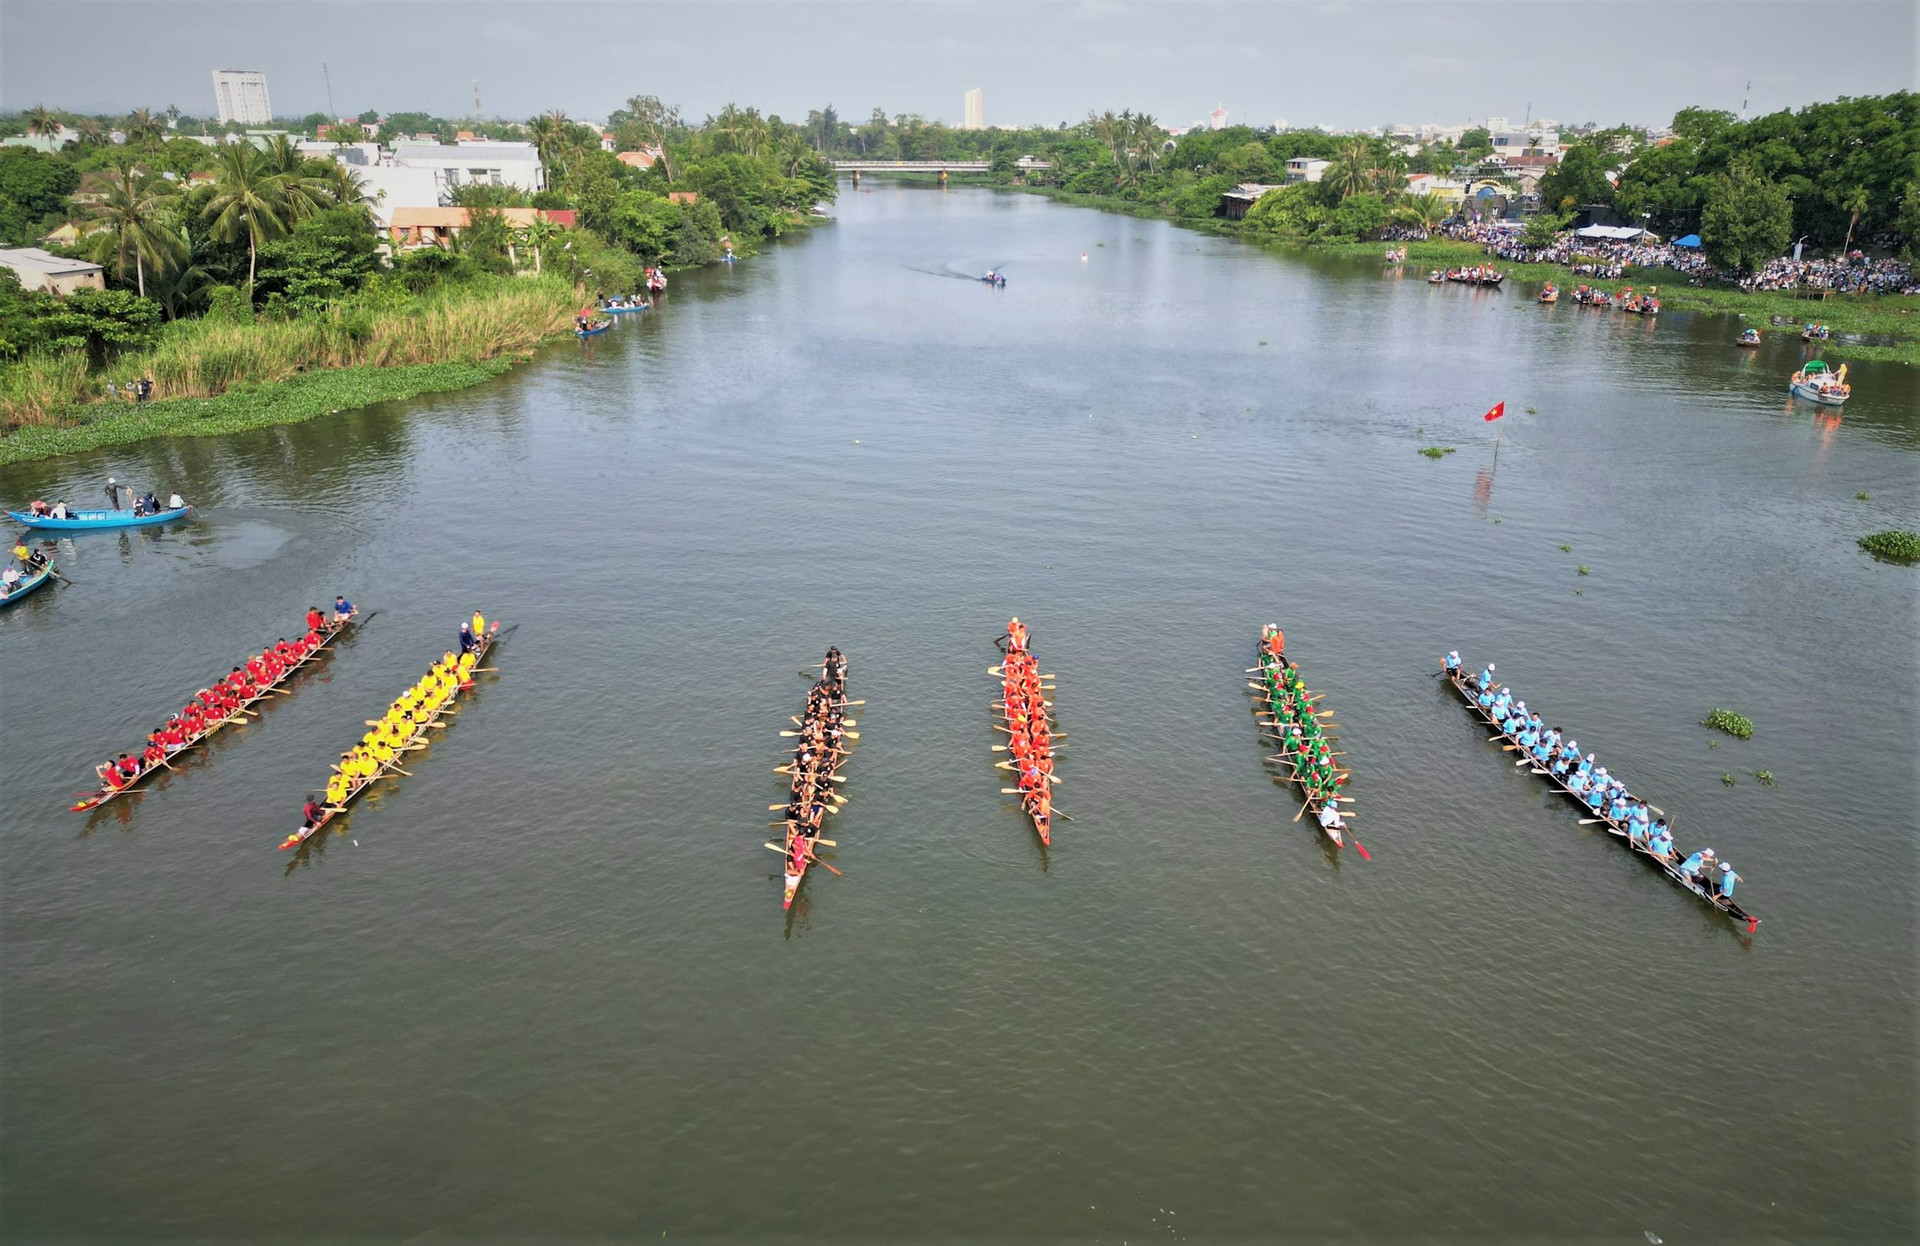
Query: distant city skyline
x=1342 y=65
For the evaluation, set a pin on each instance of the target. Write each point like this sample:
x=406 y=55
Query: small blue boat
x=619 y=309
x=26 y=586
x=99 y=519
x=595 y=331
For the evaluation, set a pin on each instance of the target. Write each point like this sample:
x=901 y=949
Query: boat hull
x=595 y=332
x=27 y=585
x=85 y=520
x=1811 y=394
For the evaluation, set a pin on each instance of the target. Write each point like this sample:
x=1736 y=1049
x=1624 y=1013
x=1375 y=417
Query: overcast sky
x=1341 y=64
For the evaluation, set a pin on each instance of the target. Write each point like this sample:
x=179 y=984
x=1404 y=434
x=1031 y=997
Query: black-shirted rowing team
x=810 y=795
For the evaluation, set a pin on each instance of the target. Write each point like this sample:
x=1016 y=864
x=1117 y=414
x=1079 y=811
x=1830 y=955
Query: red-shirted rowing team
x=1030 y=731
x=216 y=704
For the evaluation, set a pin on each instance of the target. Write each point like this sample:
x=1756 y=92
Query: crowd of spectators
x=1855 y=274
x=1589 y=257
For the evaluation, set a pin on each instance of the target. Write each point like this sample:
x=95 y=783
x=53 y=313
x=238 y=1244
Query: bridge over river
x=940 y=167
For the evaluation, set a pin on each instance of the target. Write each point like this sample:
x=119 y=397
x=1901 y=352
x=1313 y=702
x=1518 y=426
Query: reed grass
x=208 y=358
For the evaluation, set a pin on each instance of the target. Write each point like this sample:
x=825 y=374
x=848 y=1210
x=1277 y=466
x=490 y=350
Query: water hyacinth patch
x=1895 y=543
x=1436 y=452
x=1733 y=724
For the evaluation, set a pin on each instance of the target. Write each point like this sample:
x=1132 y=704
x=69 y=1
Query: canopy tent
x=1690 y=241
x=1614 y=233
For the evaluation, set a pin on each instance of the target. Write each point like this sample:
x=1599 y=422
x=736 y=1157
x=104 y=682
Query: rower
x=1486 y=677
x=342 y=610
x=468 y=641
x=311 y=813
x=315 y=620
x=1727 y=879
x=1452 y=663
x=1660 y=843
x=1690 y=868
x=1330 y=818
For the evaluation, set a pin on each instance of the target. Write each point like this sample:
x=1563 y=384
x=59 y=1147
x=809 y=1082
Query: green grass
x=1436 y=452
x=1895 y=544
x=1733 y=724
x=284 y=402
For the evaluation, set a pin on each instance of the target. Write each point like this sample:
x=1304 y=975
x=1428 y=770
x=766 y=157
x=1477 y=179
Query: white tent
x=1614 y=233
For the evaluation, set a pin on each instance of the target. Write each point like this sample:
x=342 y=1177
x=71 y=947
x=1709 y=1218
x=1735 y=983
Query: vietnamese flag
x=1499 y=409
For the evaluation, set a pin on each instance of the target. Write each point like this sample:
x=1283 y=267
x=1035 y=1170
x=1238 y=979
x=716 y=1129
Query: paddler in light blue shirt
x=1727 y=879
x=1577 y=783
x=1453 y=661
x=1637 y=823
x=1690 y=868
x=1661 y=845
x=1486 y=677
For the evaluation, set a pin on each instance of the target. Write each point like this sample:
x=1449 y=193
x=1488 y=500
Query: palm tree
x=248 y=199
x=91 y=132
x=1857 y=204
x=173 y=115
x=144 y=128
x=41 y=120
x=135 y=212
x=302 y=193
x=1425 y=210
x=539 y=233
x=549 y=134
x=343 y=187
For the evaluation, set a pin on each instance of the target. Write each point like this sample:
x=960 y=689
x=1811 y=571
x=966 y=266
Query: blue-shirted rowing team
x=1604 y=794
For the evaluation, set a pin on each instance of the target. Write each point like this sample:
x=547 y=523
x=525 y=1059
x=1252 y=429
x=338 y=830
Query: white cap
x=1706 y=852
x=1490 y=666
x=1726 y=867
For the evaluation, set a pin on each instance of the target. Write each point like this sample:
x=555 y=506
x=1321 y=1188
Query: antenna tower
x=476 y=99
x=331 y=115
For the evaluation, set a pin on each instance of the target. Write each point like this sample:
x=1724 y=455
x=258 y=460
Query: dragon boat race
x=760 y=750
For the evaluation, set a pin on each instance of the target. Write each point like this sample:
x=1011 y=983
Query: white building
x=1217 y=119
x=1306 y=169
x=241 y=95
x=974 y=106
x=480 y=161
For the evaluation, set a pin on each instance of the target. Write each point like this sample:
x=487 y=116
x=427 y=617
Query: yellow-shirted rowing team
x=399 y=729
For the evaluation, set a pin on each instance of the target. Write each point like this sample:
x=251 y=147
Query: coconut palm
x=1424 y=211
x=539 y=233
x=549 y=135
x=343 y=187
x=137 y=215
x=41 y=120
x=302 y=193
x=91 y=132
x=144 y=128
x=248 y=199
x=1856 y=203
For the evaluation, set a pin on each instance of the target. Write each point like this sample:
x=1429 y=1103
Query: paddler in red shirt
x=315 y=620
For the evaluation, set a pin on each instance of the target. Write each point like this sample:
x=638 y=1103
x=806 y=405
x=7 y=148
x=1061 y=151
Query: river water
x=543 y=988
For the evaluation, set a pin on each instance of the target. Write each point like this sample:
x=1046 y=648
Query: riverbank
x=218 y=376
x=255 y=406
x=1892 y=319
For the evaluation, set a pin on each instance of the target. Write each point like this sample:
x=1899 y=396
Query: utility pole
x=331 y=115
x=476 y=99
x=1744 y=95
